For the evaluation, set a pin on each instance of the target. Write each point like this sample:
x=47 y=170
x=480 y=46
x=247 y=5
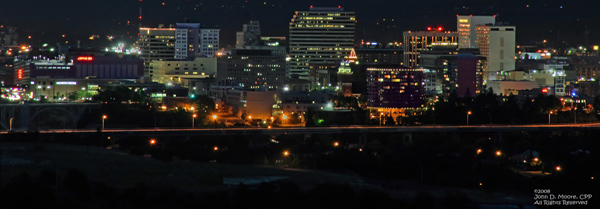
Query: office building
x=252 y=69
x=83 y=66
x=209 y=42
x=156 y=44
x=181 y=71
x=497 y=45
x=321 y=35
x=467 y=25
x=417 y=41
x=374 y=53
x=249 y=36
x=395 y=88
x=186 y=40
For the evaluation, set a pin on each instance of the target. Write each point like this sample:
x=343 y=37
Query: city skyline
x=376 y=21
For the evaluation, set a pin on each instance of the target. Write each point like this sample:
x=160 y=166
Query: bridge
x=20 y=116
x=362 y=131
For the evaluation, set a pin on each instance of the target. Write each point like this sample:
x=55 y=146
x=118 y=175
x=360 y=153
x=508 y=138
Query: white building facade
x=322 y=35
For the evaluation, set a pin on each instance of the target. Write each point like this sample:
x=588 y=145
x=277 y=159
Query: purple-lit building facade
x=395 y=88
x=466 y=80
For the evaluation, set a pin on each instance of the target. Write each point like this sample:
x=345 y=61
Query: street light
x=152 y=142
x=468 y=113
x=10 y=126
x=335 y=144
x=549 y=113
x=380 y=119
x=103 y=118
x=479 y=151
x=286 y=153
x=193 y=119
x=575 y=114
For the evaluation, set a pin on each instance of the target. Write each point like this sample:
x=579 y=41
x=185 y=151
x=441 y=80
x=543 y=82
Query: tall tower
x=156 y=44
x=321 y=35
x=466 y=26
x=187 y=40
x=497 y=44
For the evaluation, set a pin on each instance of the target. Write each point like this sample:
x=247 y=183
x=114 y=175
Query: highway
x=326 y=130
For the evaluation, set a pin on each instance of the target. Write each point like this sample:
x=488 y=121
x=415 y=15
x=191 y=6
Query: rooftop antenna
x=140 y=15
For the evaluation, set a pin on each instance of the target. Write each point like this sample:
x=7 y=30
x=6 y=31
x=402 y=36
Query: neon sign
x=85 y=58
x=20 y=74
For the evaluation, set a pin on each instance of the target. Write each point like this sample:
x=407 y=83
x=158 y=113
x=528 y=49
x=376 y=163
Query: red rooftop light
x=440 y=28
x=428 y=28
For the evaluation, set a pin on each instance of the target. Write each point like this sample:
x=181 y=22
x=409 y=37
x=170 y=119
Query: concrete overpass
x=324 y=130
x=21 y=115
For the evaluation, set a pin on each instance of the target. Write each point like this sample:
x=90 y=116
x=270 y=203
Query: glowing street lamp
x=549 y=113
x=468 y=113
x=152 y=142
x=10 y=126
x=103 y=118
x=335 y=144
x=479 y=151
x=498 y=153
x=193 y=119
x=558 y=168
x=286 y=153
x=216 y=148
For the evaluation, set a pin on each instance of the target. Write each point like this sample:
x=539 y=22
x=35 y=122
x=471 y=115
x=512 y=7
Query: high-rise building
x=252 y=69
x=395 y=88
x=186 y=40
x=448 y=71
x=156 y=44
x=466 y=26
x=249 y=36
x=497 y=45
x=8 y=36
x=209 y=42
x=417 y=41
x=321 y=35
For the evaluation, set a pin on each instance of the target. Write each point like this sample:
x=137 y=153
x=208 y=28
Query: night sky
x=378 y=20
